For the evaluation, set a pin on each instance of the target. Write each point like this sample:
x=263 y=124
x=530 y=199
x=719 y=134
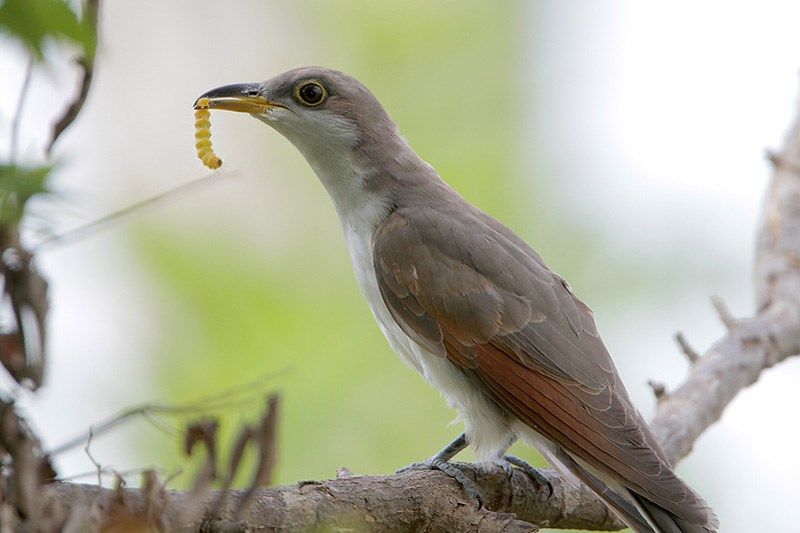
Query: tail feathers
x=667 y=522
x=621 y=504
x=641 y=514
x=624 y=508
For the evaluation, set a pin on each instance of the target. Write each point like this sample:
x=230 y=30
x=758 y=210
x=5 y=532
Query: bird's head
x=323 y=112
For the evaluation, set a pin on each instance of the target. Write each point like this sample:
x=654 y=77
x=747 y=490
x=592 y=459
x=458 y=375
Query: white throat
x=327 y=142
x=359 y=208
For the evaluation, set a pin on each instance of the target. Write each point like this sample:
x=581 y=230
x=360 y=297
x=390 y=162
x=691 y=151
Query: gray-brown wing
x=468 y=289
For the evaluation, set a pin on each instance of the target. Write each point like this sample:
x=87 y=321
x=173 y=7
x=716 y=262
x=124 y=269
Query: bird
x=471 y=306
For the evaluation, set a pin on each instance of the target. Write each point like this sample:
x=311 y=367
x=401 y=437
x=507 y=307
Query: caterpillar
x=202 y=135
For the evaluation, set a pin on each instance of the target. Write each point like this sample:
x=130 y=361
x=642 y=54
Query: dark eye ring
x=311 y=93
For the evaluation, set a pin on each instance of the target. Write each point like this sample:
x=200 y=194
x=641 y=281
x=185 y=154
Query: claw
x=469 y=487
x=414 y=466
x=491 y=467
x=532 y=472
x=507 y=468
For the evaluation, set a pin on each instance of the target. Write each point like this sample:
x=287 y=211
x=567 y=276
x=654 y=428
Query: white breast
x=359 y=242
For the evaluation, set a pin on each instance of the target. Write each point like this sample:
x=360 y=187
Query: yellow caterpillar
x=202 y=135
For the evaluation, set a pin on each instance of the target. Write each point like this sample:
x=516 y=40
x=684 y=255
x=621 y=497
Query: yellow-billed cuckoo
x=471 y=306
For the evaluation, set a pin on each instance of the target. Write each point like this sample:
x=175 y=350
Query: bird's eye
x=311 y=93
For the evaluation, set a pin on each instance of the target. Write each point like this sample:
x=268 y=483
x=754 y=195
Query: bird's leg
x=452 y=449
x=508 y=462
x=444 y=455
x=441 y=461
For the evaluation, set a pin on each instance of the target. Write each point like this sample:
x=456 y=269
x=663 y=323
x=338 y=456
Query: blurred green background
x=588 y=130
x=234 y=309
x=348 y=400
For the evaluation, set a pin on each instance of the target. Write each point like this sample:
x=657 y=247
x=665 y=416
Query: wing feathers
x=560 y=411
x=467 y=288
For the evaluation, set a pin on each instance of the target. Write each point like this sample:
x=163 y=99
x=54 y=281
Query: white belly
x=488 y=431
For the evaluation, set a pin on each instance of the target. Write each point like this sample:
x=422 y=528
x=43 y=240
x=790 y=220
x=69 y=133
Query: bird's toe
x=532 y=472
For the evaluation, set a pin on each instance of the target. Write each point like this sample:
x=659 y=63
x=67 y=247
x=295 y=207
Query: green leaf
x=17 y=186
x=35 y=21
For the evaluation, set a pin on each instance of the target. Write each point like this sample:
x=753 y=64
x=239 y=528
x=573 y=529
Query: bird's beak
x=241 y=97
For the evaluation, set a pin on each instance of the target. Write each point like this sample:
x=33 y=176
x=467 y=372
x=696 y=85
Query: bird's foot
x=532 y=472
x=469 y=487
x=491 y=467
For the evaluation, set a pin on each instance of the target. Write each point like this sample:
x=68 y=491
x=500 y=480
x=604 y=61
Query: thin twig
x=88 y=452
x=91 y=13
x=110 y=471
x=237 y=396
x=724 y=313
x=690 y=353
x=87 y=230
x=246 y=435
x=172 y=476
x=659 y=389
x=160 y=424
x=266 y=438
x=26 y=83
x=203 y=432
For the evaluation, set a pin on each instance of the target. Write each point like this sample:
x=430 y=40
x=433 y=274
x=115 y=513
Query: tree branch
x=86 y=63
x=432 y=501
